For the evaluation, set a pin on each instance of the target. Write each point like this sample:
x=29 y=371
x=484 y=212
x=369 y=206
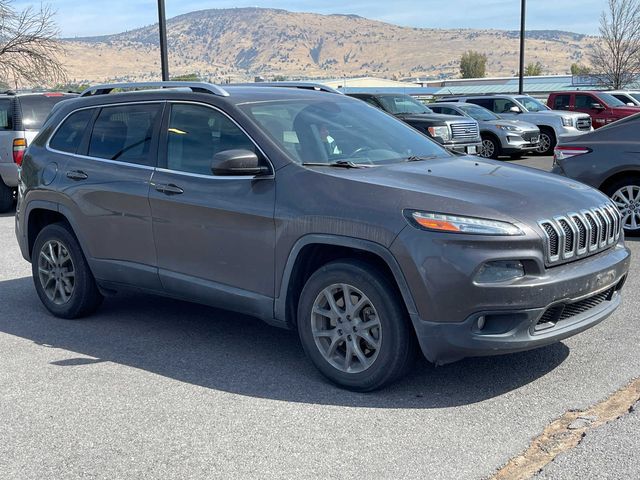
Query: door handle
x=77 y=175
x=169 y=189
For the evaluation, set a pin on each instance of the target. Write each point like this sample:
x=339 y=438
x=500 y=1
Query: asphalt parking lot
x=154 y=388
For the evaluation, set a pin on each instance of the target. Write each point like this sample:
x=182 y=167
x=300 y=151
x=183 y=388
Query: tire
x=490 y=147
x=516 y=156
x=380 y=318
x=548 y=141
x=6 y=197
x=56 y=254
x=624 y=192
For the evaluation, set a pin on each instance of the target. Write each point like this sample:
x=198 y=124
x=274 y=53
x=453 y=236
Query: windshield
x=479 y=113
x=532 y=105
x=610 y=100
x=338 y=130
x=36 y=108
x=402 y=105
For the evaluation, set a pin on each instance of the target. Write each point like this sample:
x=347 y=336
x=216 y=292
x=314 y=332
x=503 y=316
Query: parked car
x=603 y=107
x=315 y=212
x=21 y=116
x=456 y=134
x=609 y=160
x=630 y=98
x=499 y=136
x=553 y=125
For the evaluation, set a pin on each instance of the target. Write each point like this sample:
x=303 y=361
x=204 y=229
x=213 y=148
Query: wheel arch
x=617 y=176
x=313 y=251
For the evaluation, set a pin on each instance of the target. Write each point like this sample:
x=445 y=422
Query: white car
x=631 y=98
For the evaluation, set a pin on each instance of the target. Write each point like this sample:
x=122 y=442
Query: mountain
x=241 y=43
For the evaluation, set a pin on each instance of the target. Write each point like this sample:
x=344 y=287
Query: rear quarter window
x=71 y=132
x=6 y=120
x=36 y=108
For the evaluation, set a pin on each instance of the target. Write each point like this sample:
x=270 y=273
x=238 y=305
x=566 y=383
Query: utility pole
x=164 y=56
x=523 y=11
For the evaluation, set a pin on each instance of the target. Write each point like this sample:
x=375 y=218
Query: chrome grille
x=578 y=235
x=583 y=123
x=464 y=131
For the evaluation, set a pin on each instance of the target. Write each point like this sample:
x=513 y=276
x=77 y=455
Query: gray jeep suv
x=316 y=212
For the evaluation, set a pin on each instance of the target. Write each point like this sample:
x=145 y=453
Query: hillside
x=241 y=43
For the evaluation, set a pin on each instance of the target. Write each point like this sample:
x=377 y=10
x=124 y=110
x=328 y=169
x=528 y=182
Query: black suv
x=457 y=134
x=315 y=212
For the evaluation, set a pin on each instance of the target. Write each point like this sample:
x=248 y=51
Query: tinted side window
x=483 y=102
x=125 y=133
x=502 y=105
x=6 y=120
x=36 y=109
x=561 y=102
x=585 y=101
x=196 y=134
x=70 y=133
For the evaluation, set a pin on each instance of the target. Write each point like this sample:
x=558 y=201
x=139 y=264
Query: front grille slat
x=558 y=313
x=583 y=123
x=577 y=235
x=464 y=131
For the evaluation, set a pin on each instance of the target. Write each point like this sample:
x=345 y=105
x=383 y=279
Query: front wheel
x=61 y=275
x=625 y=193
x=353 y=327
x=490 y=147
x=547 y=142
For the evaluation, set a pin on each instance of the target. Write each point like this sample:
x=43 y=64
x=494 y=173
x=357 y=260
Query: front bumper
x=449 y=303
x=513 y=143
x=9 y=174
x=470 y=148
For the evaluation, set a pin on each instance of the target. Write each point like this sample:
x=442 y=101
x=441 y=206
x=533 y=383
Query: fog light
x=500 y=271
x=481 y=322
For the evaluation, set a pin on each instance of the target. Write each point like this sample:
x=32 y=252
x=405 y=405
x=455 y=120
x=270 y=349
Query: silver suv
x=499 y=136
x=553 y=124
x=21 y=116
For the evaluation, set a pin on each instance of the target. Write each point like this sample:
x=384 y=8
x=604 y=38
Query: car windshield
x=340 y=130
x=610 y=100
x=479 y=113
x=532 y=105
x=402 y=105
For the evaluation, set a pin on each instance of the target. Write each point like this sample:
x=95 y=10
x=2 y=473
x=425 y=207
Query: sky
x=100 y=17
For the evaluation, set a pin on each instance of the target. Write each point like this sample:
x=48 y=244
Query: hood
x=475 y=187
x=625 y=111
x=431 y=117
x=565 y=113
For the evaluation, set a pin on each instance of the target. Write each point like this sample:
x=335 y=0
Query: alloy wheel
x=346 y=328
x=545 y=143
x=487 y=149
x=56 y=272
x=627 y=199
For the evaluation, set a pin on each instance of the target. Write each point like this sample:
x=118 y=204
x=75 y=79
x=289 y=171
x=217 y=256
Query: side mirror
x=515 y=110
x=631 y=104
x=237 y=163
x=597 y=106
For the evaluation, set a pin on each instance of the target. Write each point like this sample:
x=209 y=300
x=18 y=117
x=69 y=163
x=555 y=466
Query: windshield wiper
x=338 y=164
x=416 y=158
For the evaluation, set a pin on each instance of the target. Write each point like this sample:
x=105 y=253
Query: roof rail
x=318 y=87
x=8 y=92
x=197 y=87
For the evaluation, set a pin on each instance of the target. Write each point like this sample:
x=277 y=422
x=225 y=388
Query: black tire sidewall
x=396 y=335
x=85 y=297
x=496 y=146
x=552 y=141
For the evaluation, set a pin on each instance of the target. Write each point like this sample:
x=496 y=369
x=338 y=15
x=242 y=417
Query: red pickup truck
x=603 y=107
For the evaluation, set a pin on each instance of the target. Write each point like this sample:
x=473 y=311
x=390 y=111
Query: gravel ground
x=154 y=388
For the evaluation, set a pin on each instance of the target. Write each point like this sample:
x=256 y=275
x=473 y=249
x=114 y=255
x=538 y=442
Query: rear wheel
x=61 y=275
x=6 y=197
x=625 y=193
x=353 y=327
x=490 y=147
x=547 y=141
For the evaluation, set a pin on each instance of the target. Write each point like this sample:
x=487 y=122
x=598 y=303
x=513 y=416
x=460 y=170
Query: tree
x=473 y=64
x=189 y=77
x=616 y=57
x=29 y=48
x=577 y=69
x=533 y=69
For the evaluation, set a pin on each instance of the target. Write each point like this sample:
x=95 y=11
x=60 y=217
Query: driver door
x=214 y=236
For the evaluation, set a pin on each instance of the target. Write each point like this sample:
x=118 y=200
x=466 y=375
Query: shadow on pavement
x=238 y=354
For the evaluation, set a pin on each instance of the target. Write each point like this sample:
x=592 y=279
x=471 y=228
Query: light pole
x=164 y=57
x=523 y=10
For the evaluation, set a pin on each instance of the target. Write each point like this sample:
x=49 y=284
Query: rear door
x=215 y=235
x=106 y=179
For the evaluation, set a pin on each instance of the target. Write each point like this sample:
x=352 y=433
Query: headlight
x=441 y=222
x=567 y=122
x=509 y=128
x=442 y=132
